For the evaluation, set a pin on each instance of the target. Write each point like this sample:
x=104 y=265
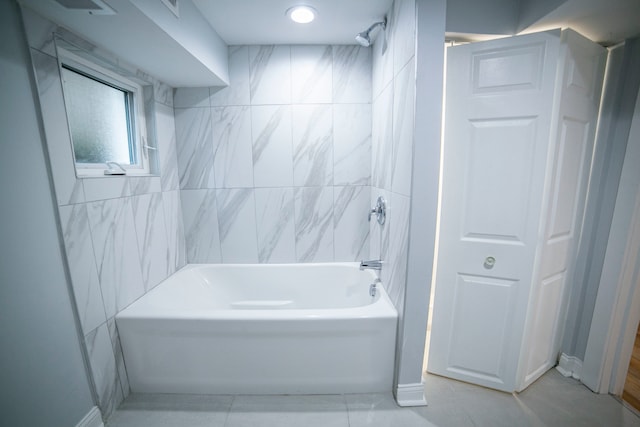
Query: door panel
x=477 y=349
x=497 y=126
x=496 y=208
x=582 y=76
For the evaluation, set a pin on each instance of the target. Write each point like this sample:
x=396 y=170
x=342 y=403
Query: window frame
x=134 y=105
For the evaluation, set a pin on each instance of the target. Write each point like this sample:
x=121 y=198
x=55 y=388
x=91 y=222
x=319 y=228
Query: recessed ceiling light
x=301 y=14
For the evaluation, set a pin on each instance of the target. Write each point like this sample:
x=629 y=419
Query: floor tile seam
x=226 y=418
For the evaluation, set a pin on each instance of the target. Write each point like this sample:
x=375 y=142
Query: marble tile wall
x=394 y=95
x=277 y=166
x=122 y=235
x=281 y=166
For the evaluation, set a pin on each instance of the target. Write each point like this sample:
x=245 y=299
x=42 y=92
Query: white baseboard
x=411 y=394
x=92 y=419
x=570 y=366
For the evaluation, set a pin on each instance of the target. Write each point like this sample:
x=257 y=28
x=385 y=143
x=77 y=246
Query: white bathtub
x=261 y=329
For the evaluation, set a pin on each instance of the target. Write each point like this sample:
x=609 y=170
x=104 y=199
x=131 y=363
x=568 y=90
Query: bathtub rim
x=382 y=307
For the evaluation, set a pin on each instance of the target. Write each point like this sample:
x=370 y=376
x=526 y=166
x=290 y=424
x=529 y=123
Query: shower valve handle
x=380 y=210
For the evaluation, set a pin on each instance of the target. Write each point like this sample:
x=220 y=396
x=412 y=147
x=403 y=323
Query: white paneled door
x=498 y=145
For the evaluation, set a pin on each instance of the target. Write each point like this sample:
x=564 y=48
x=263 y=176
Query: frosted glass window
x=99 y=117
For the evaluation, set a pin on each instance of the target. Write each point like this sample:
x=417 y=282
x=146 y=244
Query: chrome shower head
x=364 y=38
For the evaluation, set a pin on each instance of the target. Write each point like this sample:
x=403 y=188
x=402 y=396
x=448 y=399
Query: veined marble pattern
x=116 y=252
x=238 y=91
x=314 y=224
x=351 y=229
x=163 y=93
x=195 y=148
x=272 y=146
x=237 y=220
x=379 y=234
x=139 y=185
x=172 y=206
x=352 y=144
x=69 y=189
x=233 y=158
x=166 y=140
x=82 y=266
x=103 y=369
x=382 y=139
x=191 y=97
x=275 y=225
x=118 y=357
x=152 y=238
x=312 y=81
x=382 y=56
x=103 y=188
x=394 y=273
x=351 y=74
x=404 y=33
x=201 y=230
x=312 y=145
x=403 y=129
x=270 y=74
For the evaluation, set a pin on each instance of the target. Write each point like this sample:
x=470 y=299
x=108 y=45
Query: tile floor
x=551 y=401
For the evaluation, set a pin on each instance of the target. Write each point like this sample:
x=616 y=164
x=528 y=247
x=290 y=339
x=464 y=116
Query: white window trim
x=84 y=170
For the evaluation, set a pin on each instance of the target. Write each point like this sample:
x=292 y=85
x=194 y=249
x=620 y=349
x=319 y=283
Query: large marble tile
x=275 y=225
x=394 y=273
x=151 y=234
x=162 y=93
x=272 y=146
x=311 y=74
x=172 y=208
x=191 y=97
x=200 y=214
x=166 y=141
x=270 y=74
x=351 y=229
x=272 y=411
x=103 y=188
x=382 y=57
x=69 y=189
x=104 y=370
x=379 y=233
x=172 y=410
x=352 y=144
x=237 y=220
x=233 y=158
x=314 y=224
x=312 y=145
x=116 y=253
x=238 y=91
x=351 y=74
x=116 y=346
x=382 y=140
x=82 y=266
x=403 y=129
x=194 y=142
x=139 y=185
x=404 y=33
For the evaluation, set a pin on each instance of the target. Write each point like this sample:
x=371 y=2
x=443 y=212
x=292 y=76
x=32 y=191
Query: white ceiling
x=265 y=21
x=338 y=21
x=603 y=21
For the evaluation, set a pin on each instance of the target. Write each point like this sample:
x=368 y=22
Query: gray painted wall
x=43 y=381
x=424 y=192
x=532 y=10
x=621 y=87
x=482 y=17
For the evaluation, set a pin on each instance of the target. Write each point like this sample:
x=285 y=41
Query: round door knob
x=489 y=262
